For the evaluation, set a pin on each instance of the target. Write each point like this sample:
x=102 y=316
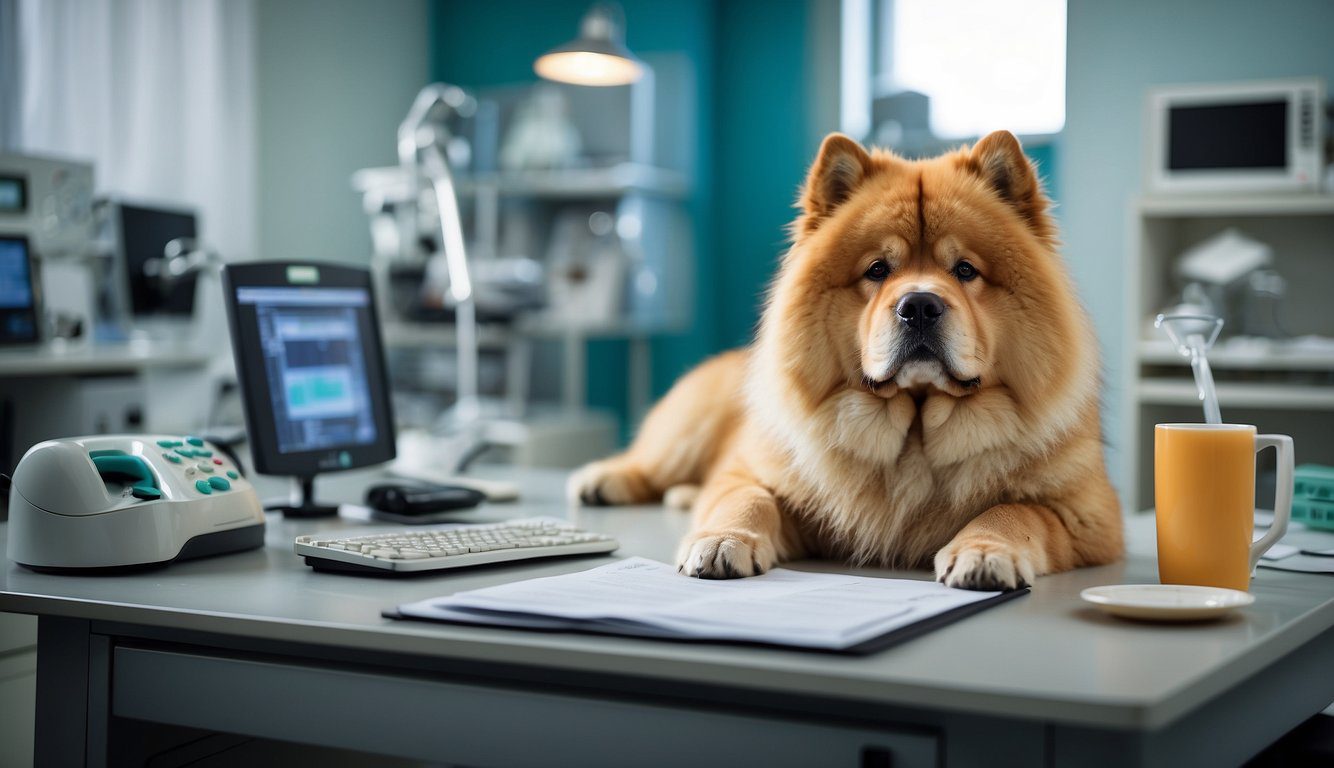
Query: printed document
x=638 y=596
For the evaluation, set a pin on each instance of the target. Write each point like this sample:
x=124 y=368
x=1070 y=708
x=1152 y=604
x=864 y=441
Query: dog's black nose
x=919 y=309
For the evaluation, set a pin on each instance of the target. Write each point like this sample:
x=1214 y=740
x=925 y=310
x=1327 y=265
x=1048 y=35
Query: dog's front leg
x=1006 y=547
x=737 y=531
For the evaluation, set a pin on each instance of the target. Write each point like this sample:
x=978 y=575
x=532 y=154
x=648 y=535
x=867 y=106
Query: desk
x=258 y=644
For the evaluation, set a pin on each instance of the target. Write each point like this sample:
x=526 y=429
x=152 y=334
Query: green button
x=219 y=484
x=173 y=458
x=232 y=474
x=147 y=492
x=203 y=487
x=107 y=452
x=188 y=453
x=168 y=443
x=194 y=441
x=203 y=454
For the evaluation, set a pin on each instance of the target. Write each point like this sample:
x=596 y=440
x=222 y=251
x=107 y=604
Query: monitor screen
x=18 y=303
x=144 y=234
x=311 y=343
x=13 y=194
x=306 y=341
x=1228 y=136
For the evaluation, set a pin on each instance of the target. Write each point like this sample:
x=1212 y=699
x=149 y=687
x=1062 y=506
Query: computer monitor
x=306 y=340
x=141 y=234
x=18 y=294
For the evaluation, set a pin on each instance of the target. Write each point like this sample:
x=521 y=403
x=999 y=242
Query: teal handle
x=133 y=467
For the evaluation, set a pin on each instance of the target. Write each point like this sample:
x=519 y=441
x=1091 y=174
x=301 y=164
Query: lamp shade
x=597 y=57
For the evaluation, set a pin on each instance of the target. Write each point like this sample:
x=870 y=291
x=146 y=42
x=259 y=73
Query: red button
x=218 y=462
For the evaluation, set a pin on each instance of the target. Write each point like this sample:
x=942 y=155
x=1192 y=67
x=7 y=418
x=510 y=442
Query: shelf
x=561 y=184
x=1249 y=356
x=554 y=326
x=410 y=334
x=536 y=326
x=78 y=358
x=580 y=183
x=1233 y=395
x=1166 y=206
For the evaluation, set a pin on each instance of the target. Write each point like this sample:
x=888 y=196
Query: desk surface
x=1045 y=656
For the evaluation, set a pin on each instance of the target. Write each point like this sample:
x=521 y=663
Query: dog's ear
x=839 y=168
x=999 y=160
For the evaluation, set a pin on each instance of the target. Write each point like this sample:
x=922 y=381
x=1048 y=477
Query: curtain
x=159 y=94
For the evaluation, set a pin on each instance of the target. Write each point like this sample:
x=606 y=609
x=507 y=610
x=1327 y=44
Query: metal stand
x=302 y=501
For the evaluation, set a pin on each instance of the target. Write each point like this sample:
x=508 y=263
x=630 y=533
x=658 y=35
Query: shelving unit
x=1280 y=386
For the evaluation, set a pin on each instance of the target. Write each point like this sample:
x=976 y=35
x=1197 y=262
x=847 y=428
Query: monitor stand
x=302 y=501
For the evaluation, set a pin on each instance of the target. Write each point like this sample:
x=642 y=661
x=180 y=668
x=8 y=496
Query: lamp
x=597 y=57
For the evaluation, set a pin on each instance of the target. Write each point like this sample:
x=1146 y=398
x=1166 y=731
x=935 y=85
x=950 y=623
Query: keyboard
x=412 y=550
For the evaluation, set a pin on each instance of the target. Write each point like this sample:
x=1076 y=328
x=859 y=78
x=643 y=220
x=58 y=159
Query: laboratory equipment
x=1259 y=136
x=156 y=265
x=48 y=202
x=86 y=504
x=18 y=292
x=421 y=137
x=432 y=549
x=1193 y=334
x=306 y=339
x=417 y=503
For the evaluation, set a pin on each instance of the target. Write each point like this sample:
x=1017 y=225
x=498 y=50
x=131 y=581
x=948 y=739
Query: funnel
x=1193 y=335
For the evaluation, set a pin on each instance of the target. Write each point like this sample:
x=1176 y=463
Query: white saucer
x=1166 y=602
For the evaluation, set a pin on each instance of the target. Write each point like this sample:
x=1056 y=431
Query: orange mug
x=1204 y=495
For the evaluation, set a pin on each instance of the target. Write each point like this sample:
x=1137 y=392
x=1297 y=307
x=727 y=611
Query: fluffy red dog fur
x=961 y=431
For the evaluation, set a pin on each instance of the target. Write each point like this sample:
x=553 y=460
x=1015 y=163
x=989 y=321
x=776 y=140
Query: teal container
x=1314 y=481
x=1314 y=513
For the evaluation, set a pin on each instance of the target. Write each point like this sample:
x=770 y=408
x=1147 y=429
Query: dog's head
x=931 y=276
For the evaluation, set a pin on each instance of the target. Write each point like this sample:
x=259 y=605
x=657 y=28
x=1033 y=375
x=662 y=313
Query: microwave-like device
x=1263 y=136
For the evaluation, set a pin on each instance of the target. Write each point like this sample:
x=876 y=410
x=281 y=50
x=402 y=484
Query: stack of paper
x=642 y=597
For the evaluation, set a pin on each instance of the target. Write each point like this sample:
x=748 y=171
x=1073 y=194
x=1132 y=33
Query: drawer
x=438 y=720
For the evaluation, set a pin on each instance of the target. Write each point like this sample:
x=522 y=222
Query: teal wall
x=751 y=138
x=1116 y=51
x=763 y=148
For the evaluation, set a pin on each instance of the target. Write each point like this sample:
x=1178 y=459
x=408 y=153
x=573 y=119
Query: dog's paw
x=983 y=566
x=609 y=482
x=725 y=555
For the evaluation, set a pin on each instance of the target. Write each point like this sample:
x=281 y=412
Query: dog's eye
x=965 y=271
x=878 y=271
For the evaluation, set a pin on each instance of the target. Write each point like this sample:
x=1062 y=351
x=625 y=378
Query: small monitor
x=13 y=194
x=18 y=294
x=306 y=340
x=142 y=234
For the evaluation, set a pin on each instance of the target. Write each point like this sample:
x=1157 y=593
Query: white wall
x=1115 y=50
x=334 y=78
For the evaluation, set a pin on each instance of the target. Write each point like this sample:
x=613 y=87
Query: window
x=984 y=64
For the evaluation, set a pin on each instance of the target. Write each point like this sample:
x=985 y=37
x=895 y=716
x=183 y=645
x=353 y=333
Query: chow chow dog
x=922 y=389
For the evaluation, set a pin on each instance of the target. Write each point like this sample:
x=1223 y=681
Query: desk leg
x=73 y=693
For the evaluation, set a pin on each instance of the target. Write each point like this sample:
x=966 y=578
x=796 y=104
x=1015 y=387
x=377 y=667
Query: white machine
x=1221 y=138
x=88 y=504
